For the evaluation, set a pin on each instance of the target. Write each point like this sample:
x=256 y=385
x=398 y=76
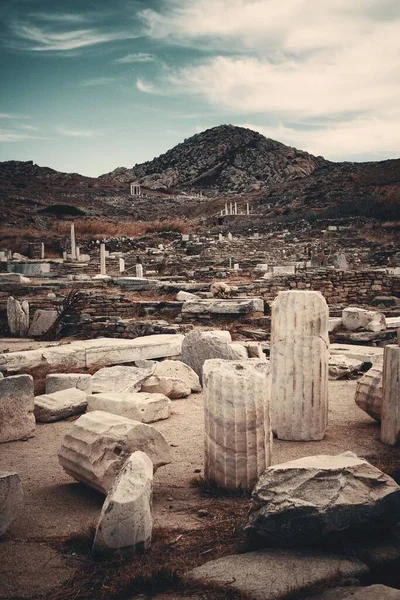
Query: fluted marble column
x=237 y=422
x=299 y=366
x=390 y=423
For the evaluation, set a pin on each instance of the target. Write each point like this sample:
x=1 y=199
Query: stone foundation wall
x=338 y=287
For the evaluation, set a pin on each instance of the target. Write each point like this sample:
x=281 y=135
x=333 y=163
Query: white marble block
x=59 y=405
x=55 y=382
x=10 y=499
x=17 y=421
x=390 y=423
x=142 y=407
x=98 y=444
x=237 y=422
x=299 y=366
x=125 y=520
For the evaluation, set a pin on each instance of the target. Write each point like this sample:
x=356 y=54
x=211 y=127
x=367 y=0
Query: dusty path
x=57 y=506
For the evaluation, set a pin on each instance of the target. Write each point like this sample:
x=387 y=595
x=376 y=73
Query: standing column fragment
x=102 y=259
x=299 y=366
x=237 y=422
x=390 y=423
x=73 y=242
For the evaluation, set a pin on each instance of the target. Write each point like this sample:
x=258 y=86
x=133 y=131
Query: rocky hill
x=224 y=162
x=224 y=159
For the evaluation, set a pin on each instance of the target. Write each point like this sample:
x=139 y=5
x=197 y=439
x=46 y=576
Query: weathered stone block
x=142 y=407
x=10 y=499
x=17 y=421
x=60 y=405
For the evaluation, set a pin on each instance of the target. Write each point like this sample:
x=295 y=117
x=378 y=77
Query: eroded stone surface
x=141 y=406
x=17 y=421
x=56 y=382
x=199 y=346
x=18 y=317
x=59 y=405
x=275 y=574
x=98 y=444
x=299 y=366
x=42 y=321
x=304 y=500
x=390 y=420
x=179 y=370
x=172 y=387
x=125 y=520
x=10 y=499
x=119 y=379
x=369 y=391
x=237 y=422
x=354 y=318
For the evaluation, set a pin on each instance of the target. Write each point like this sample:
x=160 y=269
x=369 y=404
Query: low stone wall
x=338 y=287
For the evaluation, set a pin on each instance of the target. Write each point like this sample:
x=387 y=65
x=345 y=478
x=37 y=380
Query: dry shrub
x=92 y=228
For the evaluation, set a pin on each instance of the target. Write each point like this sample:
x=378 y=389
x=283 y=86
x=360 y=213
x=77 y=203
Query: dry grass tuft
x=13 y=237
x=162 y=568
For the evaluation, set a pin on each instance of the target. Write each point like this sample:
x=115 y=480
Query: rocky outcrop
x=226 y=158
x=302 y=501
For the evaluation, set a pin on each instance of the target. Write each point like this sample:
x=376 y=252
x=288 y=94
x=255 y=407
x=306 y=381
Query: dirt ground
x=55 y=506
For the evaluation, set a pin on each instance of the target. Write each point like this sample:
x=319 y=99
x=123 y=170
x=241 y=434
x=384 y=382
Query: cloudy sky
x=89 y=85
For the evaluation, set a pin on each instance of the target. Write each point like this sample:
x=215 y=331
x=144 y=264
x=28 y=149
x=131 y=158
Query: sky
x=90 y=85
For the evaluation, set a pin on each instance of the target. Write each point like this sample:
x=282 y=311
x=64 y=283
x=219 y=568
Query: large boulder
x=172 y=387
x=18 y=317
x=119 y=379
x=199 y=346
x=97 y=445
x=125 y=520
x=10 y=499
x=303 y=501
x=60 y=405
x=369 y=391
x=17 y=421
x=140 y=406
x=354 y=318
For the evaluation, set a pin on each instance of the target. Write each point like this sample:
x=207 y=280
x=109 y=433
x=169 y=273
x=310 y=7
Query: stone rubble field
x=221 y=431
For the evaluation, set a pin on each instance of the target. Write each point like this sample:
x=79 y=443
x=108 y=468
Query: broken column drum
x=390 y=423
x=299 y=366
x=237 y=422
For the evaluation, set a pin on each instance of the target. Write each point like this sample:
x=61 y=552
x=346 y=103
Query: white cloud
x=145 y=87
x=377 y=137
x=42 y=39
x=138 y=57
x=96 y=81
x=330 y=60
x=59 y=17
x=17 y=136
x=12 y=116
x=85 y=133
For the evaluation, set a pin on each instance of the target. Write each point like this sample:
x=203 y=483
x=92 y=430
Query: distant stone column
x=299 y=366
x=235 y=208
x=139 y=270
x=103 y=259
x=77 y=252
x=390 y=423
x=42 y=251
x=230 y=236
x=247 y=209
x=237 y=422
x=73 y=242
x=121 y=265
